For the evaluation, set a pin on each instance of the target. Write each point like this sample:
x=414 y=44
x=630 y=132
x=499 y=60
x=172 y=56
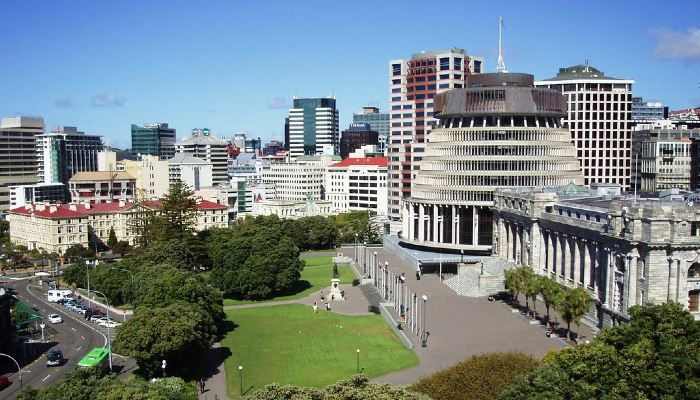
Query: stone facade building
x=624 y=251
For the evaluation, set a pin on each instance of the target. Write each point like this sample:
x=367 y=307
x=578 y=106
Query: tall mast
x=501 y=66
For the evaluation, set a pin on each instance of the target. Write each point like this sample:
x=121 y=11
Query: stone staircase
x=470 y=283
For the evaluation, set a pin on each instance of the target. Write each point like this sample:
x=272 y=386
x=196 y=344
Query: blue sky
x=234 y=66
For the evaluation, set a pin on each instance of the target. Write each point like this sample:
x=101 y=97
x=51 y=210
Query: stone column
x=576 y=255
x=421 y=222
x=609 y=279
x=588 y=262
x=475 y=225
x=455 y=230
x=564 y=259
x=632 y=292
x=437 y=220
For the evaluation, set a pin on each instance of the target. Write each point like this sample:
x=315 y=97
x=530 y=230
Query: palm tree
x=532 y=289
x=574 y=306
x=551 y=292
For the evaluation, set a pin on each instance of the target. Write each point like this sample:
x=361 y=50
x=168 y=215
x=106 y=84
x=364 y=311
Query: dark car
x=55 y=358
x=499 y=296
x=4 y=381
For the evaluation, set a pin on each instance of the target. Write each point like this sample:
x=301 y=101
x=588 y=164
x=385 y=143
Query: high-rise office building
x=64 y=152
x=17 y=154
x=358 y=135
x=499 y=131
x=600 y=120
x=648 y=110
x=153 y=139
x=208 y=148
x=413 y=83
x=377 y=122
x=313 y=126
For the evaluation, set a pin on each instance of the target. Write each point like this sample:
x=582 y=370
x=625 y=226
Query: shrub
x=481 y=377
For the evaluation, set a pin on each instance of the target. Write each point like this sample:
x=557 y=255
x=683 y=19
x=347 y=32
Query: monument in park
x=335 y=292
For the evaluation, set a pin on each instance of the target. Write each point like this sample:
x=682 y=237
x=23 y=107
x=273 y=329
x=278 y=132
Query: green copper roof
x=579 y=72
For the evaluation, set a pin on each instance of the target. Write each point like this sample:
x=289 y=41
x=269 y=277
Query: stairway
x=468 y=280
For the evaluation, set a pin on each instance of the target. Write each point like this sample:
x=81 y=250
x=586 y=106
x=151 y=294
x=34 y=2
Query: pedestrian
x=332 y=297
x=321 y=295
x=201 y=385
x=315 y=307
x=328 y=306
x=417 y=275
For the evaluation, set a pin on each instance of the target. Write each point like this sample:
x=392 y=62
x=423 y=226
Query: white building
x=102 y=187
x=600 y=120
x=193 y=171
x=149 y=172
x=17 y=154
x=205 y=147
x=296 y=180
x=358 y=184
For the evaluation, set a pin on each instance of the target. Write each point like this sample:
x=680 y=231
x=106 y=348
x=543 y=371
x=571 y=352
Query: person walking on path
x=315 y=307
x=201 y=385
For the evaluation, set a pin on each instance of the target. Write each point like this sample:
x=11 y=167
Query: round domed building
x=499 y=131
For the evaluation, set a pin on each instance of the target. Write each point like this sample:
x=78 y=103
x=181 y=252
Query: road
x=75 y=337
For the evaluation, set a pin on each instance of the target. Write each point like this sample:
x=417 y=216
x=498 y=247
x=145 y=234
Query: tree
x=574 y=305
x=515 y=280
x=551 y=292
x=112 y=241
x=356 y=388
x=178 y=211
x=482 y=377
x=88 y=384
x=530 y=287
x=178 y=333
x=121 y=247
x=654 y=356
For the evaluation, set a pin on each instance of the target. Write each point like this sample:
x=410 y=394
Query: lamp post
x=355 y=247
x=240 y=373
x=461 y=258
x=133 y=295
x=424 y=334
x=358 y=361
x=42 y=325
x=18 y=369
x=87 y=272
x=163 y=366
x=374 y=268
x=386 y=284
x=109 y=339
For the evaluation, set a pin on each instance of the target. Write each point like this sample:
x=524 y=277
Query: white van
x=54 y=296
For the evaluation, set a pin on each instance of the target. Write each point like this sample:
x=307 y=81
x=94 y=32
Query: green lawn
x=291 y=345
x=318 y=260
x=312 y=280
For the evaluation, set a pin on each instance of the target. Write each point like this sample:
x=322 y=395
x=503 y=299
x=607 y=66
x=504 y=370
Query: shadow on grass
x=224 y=328
x=296 y=288
x=214 y=360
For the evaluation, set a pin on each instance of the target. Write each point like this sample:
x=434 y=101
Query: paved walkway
x=459 y=327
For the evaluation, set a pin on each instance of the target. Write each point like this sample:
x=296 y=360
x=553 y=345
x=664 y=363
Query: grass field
x=316 y=276
x=289 y=344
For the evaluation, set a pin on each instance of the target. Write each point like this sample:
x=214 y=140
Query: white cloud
x=277 y=103
x=677 y=45
x=63 y=103
x=107 y=100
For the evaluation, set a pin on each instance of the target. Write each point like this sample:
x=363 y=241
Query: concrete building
x=155 y=139
x=37 y=193
x=296 y=181
x=413 y=84
x=150 y=173
x=358 y=135
x=499 y=131
x=377 y=122
x=600 y=120
x=63 y=153
x=625 y=251
x=313 y=124
x=56 y=227
x=358 y=184
x=17 y=154
x=208 y=148
x=194 y=172
x=272 y=148
x=102 y=187
x=648 y=111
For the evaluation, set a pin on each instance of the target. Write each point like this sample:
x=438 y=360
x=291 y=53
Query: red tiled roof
x=208 y=205
x=64 y=210
x=378 y=161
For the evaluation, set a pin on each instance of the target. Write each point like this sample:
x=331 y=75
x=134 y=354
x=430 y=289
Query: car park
x=55 y=358
x=102 y=320
x=55 y=319
x=499 y=296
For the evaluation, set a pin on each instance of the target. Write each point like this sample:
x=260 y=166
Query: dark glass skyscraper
x=155 y=139
x=313 y=126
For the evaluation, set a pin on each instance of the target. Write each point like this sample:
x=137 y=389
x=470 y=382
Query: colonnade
x=457 y=225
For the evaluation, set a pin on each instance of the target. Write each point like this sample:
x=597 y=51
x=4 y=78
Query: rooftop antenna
x=501 y=66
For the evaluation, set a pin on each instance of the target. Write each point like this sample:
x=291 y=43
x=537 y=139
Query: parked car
x=499 y=296
x=102 y=320
x=95 y=317
x=4 y=381
x=55 y=358
x=111 y=324
x=55 y=319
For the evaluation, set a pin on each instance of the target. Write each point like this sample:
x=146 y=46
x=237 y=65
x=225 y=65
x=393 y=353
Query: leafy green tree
x=178 y=333
x=179 y=211
x=654 y=356
x=112 y=241
x=89 y=384
x=551 y=292
x=315 y=233
x=574 y=305
x=515 y=280
x=356 y=388
x=176 y=285
x=18 y=317
x=482 y=377
x=121 y=247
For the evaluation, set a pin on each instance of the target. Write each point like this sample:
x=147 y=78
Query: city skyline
x=235 y=67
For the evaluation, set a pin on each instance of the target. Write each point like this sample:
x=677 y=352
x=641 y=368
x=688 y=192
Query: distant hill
x=121 y=154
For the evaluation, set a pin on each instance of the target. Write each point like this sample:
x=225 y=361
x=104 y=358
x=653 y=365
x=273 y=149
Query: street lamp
x=358 y=361
x=424 y=334
x=42 y=325
x=133 y=295
x=87 y=271
x=461 y=258
x=163 y=366
x=109 y=339
x=355 y=247
x=240 y=373
x=374 y=268
x=18 y=369
x=386 y=277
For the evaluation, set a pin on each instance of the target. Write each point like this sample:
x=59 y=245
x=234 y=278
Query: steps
x=471 y=283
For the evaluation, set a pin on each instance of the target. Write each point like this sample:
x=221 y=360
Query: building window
x=694 y=228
